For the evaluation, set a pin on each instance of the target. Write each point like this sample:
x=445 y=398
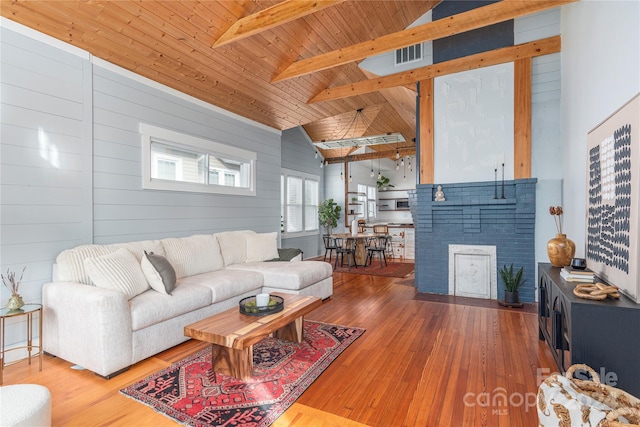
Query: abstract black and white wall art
x=613 y=173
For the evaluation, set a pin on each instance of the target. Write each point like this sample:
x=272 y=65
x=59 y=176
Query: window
x=299 y=199
x=180 y=162
x=367 y=200
x=408 y=54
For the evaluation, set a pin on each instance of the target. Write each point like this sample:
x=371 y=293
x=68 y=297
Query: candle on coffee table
x=262 y=300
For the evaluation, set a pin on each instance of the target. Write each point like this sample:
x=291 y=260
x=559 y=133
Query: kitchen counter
x=391 y=224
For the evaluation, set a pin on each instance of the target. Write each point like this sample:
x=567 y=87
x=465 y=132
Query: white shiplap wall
x=70 y=160
x=298 y=154
x=45 y=186
x=124 y=212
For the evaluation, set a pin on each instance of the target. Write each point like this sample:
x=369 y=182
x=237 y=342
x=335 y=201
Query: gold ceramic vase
x=560 y=250
x=15 y=302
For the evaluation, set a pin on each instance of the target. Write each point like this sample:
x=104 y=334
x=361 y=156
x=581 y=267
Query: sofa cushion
x=233 y=246
x=289 y=275
x=225 y=284
x=119 y=270
x=261 y=246
x=151 y=307
x=70 y=262
x=159 y=273
x=193 y=255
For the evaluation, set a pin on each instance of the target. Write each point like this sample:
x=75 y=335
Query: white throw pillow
x=193 y=255
x=261 y=246
x=119 y=270
x=233 y=246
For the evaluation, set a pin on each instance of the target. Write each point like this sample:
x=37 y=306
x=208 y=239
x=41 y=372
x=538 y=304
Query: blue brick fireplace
x=471 y=215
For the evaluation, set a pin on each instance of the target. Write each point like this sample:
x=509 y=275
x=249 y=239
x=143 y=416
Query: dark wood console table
x=602 y=334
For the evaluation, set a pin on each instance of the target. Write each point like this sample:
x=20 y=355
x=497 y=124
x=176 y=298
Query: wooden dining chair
x=345 y=246
x=329 y=246
x=377 y=245
x=384 y=229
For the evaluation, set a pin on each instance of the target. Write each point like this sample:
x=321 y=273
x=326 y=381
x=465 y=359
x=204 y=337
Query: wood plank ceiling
x=236 y=54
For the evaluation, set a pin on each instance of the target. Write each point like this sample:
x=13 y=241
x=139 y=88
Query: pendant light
x=379 y=174
x=371 y=174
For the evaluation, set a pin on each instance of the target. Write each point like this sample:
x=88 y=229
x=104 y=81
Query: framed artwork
x=613 y=185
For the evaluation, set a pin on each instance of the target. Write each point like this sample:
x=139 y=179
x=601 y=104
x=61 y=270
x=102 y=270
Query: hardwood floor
x=419 y=363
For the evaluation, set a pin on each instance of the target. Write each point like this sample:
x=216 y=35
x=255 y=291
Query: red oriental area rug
x=191 y=394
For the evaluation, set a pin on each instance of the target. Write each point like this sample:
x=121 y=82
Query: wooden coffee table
x=232 y=334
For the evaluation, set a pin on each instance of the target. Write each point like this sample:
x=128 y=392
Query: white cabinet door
x=409 y=243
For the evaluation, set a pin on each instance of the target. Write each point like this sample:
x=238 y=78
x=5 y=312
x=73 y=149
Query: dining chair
x=361 y=228
x=345 y=246
x=377 y=245
x=384 y=229
x=329 y=246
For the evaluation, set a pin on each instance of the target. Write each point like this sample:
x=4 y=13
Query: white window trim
x=150 y=132
x=304 y=176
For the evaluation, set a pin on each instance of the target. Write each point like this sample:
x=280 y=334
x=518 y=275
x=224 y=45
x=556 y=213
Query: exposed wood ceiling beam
x=471 y=62
x=470 y=20
x=391 y=154
x=270 y=17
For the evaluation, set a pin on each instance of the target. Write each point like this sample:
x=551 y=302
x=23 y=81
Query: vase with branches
x=13 y=285
x=560 y=249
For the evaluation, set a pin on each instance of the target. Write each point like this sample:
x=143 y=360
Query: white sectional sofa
x=101 y=313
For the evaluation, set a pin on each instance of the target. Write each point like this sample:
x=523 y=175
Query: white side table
x=26 y=310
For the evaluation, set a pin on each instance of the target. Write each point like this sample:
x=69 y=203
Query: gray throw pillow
x=159 y=272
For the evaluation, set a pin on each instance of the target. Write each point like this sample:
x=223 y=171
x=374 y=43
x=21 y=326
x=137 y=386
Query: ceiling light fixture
x=371 y=174
x=379 y=174
x=352 y=134
x=316 y=156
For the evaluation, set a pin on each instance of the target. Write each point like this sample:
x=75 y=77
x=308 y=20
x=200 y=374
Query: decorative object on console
x=512 y=282
x=571 y=275
x=597 y=292
x=560 y=249
x=579 y=263
x=439 y=195
x=612 y=199
x=15 y=300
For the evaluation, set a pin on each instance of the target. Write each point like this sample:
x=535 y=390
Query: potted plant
x=512 y=282
x=383 y=183
x=329 y=214
x=13 y=284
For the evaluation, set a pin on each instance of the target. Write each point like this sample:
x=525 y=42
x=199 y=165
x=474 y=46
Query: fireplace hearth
x=472 y=216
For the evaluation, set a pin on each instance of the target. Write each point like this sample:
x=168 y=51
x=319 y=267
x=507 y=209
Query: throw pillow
x=233 y=246
x=119 y=271
x=261 y=246
x=159 y=273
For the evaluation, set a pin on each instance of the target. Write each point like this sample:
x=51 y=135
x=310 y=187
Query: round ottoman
x=25 y=405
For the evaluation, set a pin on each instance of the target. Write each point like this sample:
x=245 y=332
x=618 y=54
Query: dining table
x=361 y=247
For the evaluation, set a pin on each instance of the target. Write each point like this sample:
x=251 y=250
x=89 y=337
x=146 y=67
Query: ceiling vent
x=408 y=54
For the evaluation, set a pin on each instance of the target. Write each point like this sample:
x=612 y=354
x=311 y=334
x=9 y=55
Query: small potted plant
x=383 y=183
x=512 y=282
x=10 y=282
x=329 y=214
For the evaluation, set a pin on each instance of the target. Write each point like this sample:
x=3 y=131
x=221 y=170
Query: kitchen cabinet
x=402 y=242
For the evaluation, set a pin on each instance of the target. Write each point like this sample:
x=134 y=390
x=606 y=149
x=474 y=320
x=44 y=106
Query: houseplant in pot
x=383 y=183
x=329 y=214
x=512 y=282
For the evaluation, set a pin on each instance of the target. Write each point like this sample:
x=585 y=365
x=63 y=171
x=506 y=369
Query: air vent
x=409 y=54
